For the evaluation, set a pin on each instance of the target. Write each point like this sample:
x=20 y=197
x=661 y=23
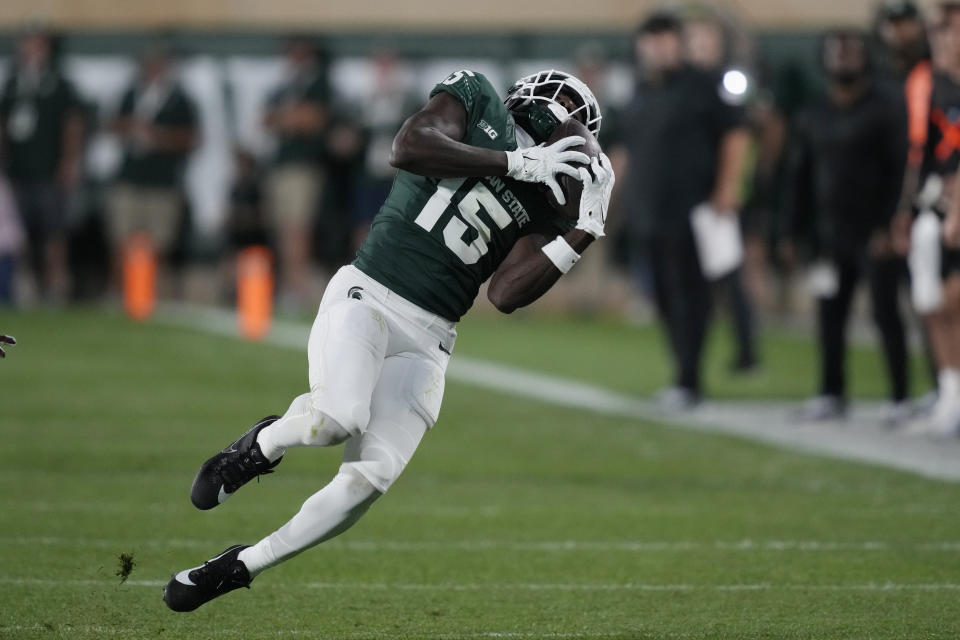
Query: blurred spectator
x=592 y=66
x=934 y=266
x=684 y=144
x=246 y=222
x=593 y=286
x=345 y=221
x=158 y=125
x=297 y=115
x=41 y=129
x=382 y=113
x=11 y=241
x=763 y=201
x=903 y=37
x=907 y=67
x=845 y=175
x=706 y=46
x=906 y=49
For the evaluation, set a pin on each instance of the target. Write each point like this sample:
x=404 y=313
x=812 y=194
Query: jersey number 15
x=468 y=219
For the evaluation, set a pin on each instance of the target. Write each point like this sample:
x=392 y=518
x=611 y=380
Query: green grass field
x=515 y=520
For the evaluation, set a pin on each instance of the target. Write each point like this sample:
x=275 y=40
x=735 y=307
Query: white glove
x=595 y=199
x=542 y=163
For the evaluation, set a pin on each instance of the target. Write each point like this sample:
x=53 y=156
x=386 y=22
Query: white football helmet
x=544 y=87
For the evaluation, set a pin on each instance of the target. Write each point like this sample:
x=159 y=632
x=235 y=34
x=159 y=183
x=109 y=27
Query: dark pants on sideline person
x=42 y=211
x=741 y=316
x=883 y=277
x=8 y=264
x=683 y=300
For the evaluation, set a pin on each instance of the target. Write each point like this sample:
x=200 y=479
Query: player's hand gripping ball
x=572 y=187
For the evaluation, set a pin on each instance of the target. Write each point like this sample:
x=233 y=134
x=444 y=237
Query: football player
x=469 y=204
x=934 y=258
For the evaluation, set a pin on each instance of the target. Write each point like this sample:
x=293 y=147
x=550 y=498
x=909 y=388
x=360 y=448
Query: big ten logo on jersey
x=484 y=126
x=496 y=203
x=456 y=76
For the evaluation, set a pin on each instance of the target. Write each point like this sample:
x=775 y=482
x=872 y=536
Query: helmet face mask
x=537 y=98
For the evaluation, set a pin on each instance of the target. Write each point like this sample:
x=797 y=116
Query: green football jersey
x=435 y=241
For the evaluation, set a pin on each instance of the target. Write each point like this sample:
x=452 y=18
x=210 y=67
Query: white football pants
x=377 y=364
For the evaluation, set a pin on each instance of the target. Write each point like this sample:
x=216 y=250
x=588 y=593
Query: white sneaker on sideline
x=821 y=408
x=942 y=420
x=675 y=399
x=898 y=414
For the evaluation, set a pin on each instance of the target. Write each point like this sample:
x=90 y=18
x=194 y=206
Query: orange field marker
x=139 y=277
x=254 y=292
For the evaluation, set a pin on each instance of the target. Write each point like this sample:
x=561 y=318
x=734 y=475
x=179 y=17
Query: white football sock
x=324 y=515
x=300 y=426
x=944 y=415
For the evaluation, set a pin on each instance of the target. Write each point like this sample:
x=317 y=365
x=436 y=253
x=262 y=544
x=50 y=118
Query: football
x=571 y=186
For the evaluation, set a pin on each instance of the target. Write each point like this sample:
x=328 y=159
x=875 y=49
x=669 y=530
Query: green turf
x=634 y=359
x=104 y=423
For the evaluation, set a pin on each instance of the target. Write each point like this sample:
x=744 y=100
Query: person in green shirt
x=298 y=117
x=41 y=147
x=468 y=204
x=158 y=125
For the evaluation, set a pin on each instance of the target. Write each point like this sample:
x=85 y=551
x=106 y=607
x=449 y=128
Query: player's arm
x=173 y=139
x=731 y=159
x=536 y=262
x=429 y=144
x=796 y=226
x=892 y=156
x=918 y=90
x=304 y=117
x=71 y=152
x=951 y=224
x=527 y=273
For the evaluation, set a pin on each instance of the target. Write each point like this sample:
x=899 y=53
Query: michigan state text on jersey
x=468 y=204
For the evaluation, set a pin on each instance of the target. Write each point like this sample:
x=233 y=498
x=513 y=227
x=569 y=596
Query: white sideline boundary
x=859 y=439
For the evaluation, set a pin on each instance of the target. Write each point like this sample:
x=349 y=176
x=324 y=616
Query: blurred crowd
x=83 y=175
x=841 y=176
x=851 y=181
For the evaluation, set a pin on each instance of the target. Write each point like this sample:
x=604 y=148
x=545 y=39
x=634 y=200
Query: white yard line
x=505 y=586
x=140 y=632
x=543 y=546
x=859 y=439
x=315 y=633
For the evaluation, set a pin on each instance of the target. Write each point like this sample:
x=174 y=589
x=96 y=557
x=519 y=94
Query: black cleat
x=191 y=588
x=235 y=466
